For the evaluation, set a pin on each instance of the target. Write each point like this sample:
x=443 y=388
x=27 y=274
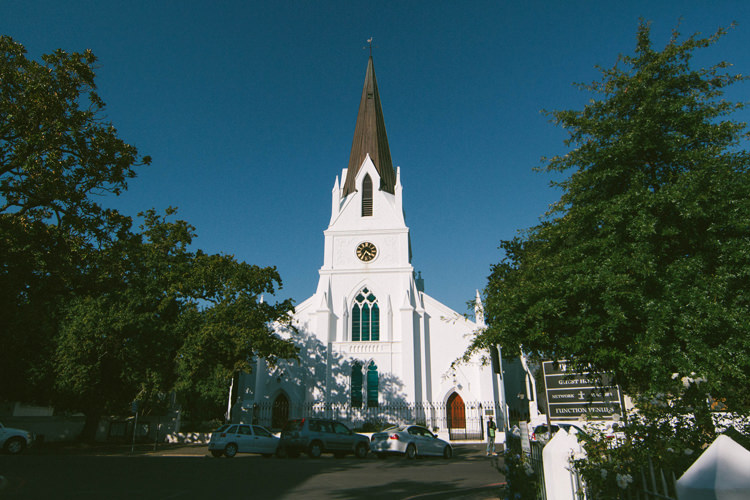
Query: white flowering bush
x=672 y=430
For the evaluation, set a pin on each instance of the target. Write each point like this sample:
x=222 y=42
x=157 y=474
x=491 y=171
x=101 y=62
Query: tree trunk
x=88 y=434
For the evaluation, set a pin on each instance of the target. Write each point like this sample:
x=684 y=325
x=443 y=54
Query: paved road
x=188 y=472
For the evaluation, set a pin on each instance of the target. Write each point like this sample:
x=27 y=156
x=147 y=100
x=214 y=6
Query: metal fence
x=440 y=416
x=538 y=465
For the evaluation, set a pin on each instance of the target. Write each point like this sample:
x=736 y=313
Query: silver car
x=230 y=439
x=410 y=441
x=14 y=441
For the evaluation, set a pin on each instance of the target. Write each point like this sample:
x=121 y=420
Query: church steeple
x=370 y=138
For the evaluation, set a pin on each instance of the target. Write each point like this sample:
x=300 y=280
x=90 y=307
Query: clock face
x=366 y=251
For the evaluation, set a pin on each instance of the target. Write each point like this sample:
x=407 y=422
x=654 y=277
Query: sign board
x=572 y=395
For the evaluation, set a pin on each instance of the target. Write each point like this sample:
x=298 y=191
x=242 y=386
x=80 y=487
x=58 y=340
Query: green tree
x=93 y=314
x=162 y=318
x=234 y=325
x=56 y=156
x=641 y=268
x=117 y=340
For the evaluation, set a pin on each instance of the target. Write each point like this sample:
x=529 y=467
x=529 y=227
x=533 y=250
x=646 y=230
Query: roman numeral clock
x=366 y=251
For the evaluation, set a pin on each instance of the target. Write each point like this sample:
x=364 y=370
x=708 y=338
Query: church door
x=456 y=412
x=280 y=411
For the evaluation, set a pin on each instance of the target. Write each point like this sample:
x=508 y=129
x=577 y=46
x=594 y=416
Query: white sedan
x=230 y=439
x=14 y=441
x=410 y=441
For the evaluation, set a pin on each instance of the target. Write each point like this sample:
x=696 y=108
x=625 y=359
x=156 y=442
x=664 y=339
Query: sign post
x=575 y=394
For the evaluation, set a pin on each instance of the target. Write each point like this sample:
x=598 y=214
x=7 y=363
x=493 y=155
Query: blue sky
x=248 y=110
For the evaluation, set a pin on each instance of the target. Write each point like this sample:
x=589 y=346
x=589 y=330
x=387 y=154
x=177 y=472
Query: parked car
x=410 y=441
x=14 y=441
x=230 y=439
x=540 y=431
x=315 y=436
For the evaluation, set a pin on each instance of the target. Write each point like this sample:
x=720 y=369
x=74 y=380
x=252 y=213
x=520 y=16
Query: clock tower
x=367 y=248
x=370 y=337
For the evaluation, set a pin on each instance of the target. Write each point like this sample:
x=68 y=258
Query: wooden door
x=456 y=412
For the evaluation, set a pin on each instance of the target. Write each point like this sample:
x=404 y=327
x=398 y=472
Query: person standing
x=491 y=428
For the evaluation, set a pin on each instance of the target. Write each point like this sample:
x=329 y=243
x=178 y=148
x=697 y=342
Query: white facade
x=411 y=338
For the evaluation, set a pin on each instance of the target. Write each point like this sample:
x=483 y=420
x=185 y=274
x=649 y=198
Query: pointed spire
x=370 y=138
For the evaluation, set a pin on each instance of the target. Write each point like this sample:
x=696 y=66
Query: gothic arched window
x=365 y=317
x=367 y=196
x=356 y=386
x=372 y=385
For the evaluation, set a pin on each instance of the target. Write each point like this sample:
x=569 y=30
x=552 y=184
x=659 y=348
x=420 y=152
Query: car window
x=245 y=429
x=326 y=427
x=340 y=428
x=260 y=431
x=413 y=430
x=231 y=429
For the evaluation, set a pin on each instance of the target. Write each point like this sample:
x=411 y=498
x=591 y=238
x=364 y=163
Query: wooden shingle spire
x=370 y=138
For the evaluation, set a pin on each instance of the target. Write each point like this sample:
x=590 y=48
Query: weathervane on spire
x=370 y=45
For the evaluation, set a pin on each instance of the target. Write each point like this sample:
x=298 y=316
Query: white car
x=410 y=441
x=14 y=441
x=230 y=439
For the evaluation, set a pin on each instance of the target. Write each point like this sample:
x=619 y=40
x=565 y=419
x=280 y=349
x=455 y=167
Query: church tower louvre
x=370 y=337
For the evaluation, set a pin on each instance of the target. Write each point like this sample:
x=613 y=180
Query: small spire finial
x=369 y=45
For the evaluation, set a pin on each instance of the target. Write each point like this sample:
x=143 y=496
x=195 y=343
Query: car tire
x=315 y=449
x=15 y=445
x=411 y=452
x=217 y=453
x=360 y=451
x=447 y=452
x=231 y=450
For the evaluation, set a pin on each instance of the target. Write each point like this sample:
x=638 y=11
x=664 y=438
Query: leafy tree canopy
x=56 y=156
x=641 y=268
x=95 y=314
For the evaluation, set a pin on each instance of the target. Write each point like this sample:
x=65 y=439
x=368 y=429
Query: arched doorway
x=280 y=411
x=456 y=412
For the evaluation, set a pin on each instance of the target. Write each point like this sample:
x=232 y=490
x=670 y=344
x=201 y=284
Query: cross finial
x=369 y=45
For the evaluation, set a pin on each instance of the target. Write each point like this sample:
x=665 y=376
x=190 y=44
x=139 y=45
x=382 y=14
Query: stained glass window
x=365 y=317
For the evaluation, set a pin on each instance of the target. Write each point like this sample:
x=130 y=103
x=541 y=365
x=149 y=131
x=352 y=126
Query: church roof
x=370 y=138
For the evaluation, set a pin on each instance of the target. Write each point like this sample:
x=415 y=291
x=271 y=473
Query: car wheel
x=15 y=445
x=231 y=450
x=217 y=453
x=447 y=452
x=361 y=450
x=315 y=449
x=411 y=452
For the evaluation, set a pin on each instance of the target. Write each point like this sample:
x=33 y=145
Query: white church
x=373 y=345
